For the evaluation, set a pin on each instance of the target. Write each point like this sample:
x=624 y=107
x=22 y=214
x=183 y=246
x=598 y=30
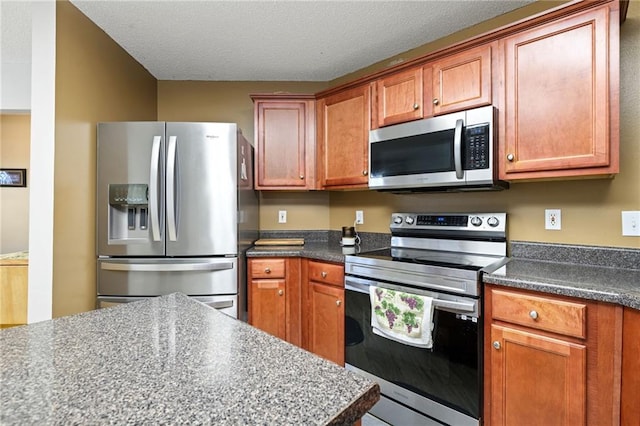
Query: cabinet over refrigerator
x=176 y=211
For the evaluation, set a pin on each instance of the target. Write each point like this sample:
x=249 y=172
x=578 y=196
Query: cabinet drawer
x=326 y=273
x=267 y=268
x=557 y=316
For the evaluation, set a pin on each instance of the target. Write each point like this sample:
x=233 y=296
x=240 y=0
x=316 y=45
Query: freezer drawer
x=226 y=304
x=157 y=277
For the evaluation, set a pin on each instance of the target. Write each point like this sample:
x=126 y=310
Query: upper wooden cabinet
x=343 y=122
x=560 y=102
x=452 y=83
x=460 y=81
x=398 y=98
x=285 y=141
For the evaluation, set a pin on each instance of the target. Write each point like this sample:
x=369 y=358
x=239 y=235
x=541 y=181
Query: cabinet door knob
x=280 y=292
x=510 y=157
x=435 y=101
x=338 y=302
x=416 y=106
x=267 y=270
x=301 y=177
x=364 y=172
x=496 y=344
x=324 y=274
x=533 y=315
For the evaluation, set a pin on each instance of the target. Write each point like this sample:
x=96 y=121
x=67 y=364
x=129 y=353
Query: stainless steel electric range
x=440 y=257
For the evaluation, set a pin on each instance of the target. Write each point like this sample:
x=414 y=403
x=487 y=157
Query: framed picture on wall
x=13 y=177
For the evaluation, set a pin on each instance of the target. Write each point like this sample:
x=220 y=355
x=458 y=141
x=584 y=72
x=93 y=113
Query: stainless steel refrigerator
x=176 y=211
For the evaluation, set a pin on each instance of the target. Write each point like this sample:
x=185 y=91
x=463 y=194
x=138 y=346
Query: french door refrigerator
x=176 y=211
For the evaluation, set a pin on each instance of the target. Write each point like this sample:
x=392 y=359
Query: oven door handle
x=358 y=284
x=454 y=306
x=362 y=286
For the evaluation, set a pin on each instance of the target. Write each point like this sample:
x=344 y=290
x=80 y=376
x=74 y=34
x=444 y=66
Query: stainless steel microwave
x=452 y=152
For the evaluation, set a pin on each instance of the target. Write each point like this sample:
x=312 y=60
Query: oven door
x=444 y=382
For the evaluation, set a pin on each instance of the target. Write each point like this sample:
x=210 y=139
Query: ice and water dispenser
x=128 y=211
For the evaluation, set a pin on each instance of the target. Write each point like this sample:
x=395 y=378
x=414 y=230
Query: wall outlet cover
x=631 y=224
x=282 y=216
x=553 y=219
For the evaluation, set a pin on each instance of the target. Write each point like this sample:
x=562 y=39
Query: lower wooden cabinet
x=323 y=291
x=630 y=406
x=550 y=360
x=274 y=297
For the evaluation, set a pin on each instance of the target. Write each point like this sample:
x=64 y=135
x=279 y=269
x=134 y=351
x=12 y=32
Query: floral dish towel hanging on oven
x=404 y=317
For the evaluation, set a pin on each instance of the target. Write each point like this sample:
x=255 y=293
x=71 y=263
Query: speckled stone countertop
x=323 y=246
x=607 y=274
x=596 y=273
x=169 y=360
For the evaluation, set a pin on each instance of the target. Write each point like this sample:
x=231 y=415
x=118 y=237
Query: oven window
x=427 y=153
x=448 y=373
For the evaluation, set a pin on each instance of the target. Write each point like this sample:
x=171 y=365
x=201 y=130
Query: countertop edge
x=545 y=279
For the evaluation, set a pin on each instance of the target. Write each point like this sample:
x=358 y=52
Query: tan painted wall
x=96 y=80
x=591 y=209
x=230 y=101
x=15 y=134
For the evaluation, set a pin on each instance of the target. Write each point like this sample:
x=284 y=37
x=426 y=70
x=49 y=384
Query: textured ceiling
x=261 y=40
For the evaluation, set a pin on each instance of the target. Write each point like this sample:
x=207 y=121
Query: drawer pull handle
x=280 y=292
x=324 y=274
x=436 y=101
x=301 y=177
x=533 y=315
x=267 y=270
x=496 y=344
x=510 y=157
x=338 y=302
x=416 y=106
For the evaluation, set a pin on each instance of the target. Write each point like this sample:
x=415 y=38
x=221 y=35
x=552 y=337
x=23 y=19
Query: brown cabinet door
x=461 y=81
x=536 y=379
x=285 y=143
x=557 y=103
x=399 y=97
x=630 y=404
x=343 y=135
x=326 y=321
x=267 y=306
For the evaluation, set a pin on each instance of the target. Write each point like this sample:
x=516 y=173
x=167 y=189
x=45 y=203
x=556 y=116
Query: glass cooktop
x=467 y=261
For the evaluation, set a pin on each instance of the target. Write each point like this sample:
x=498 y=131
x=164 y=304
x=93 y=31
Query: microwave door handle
x=457 y=149
x=154 y=199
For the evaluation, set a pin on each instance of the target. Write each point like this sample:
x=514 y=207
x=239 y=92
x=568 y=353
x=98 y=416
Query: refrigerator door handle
x=154 y=199
x=166 y=267
x=171 y=189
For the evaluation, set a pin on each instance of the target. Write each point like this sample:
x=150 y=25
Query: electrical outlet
x=631 y=224
x=359 y=217
x=553 y=219
x=282 y=216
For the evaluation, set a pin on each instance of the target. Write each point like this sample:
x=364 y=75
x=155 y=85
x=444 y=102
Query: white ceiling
x=262 y=40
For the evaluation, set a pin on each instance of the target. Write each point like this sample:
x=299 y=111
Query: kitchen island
x=169 y=360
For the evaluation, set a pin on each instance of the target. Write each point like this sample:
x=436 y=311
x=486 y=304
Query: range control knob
x=476 y=221
x=397 y=220
x=493 y=221
x=409 y=220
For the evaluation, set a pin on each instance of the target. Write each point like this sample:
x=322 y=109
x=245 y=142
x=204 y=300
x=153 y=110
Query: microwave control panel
x=476 y=147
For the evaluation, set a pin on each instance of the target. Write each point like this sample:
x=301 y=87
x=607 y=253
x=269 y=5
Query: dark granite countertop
x=606 y=274
x=319 y=246
x=169 y=360
x=596 y=273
